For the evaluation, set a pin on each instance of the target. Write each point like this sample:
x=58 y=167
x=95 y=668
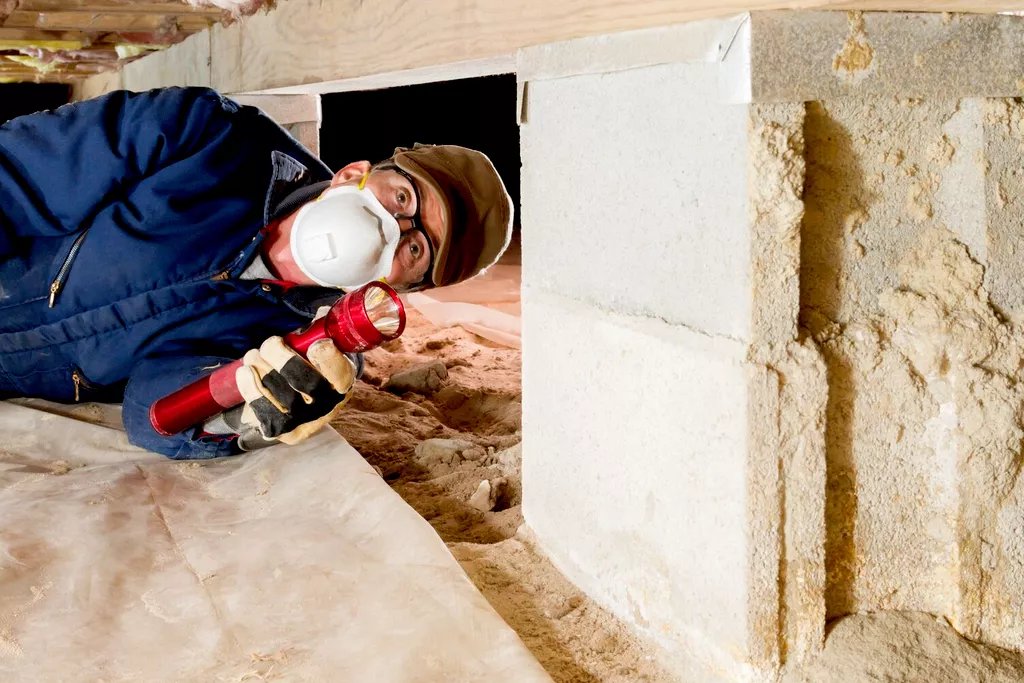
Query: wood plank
x=117 y=6
x=94 y=86
x=307 y=133
x=353 y=38
x=29 y=36
x=187 y=63
x=90 y=21
x=40 y=78
x=14 y=70
x=489 y=66
x=286 y=109
x=308 y=42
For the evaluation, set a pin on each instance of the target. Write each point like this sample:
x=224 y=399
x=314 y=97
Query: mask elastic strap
x=362 y=186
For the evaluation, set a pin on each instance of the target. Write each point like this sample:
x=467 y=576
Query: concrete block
x=634 y=468
x=654 y=465
x=620 y=205
x=775 y=187
x=804 y=56
x=657 y=454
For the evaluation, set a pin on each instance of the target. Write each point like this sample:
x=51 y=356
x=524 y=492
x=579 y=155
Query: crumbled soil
x=906 y=646
x=481 y=403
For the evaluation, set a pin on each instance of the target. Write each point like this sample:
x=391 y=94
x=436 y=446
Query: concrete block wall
x=771 y=344
x=651 y=278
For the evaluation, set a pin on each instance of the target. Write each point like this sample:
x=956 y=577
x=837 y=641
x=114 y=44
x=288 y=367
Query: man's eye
x=403 y=198
x=415 y=249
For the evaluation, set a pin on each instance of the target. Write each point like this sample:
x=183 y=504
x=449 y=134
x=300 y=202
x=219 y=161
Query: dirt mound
x=906 y=646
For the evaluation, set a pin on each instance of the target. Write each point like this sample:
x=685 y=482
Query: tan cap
x=476 y=208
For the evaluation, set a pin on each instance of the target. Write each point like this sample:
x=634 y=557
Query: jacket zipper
x=76 y=377
x=58 y=283
x=82 y=383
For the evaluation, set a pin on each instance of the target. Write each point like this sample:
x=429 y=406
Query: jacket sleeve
x=154 y=378
x=87 y=152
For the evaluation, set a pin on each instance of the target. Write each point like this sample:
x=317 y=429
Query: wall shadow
x=833 y=190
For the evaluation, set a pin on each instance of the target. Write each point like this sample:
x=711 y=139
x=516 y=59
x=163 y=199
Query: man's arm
x=155 y=377
x=67 y=164
x=152 y=379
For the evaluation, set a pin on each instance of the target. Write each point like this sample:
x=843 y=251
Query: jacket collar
x=288 y=176
x=291 y=185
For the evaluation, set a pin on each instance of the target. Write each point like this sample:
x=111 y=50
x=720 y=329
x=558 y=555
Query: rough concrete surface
x=924 y=427
x=1003 y=197
x=804 y=56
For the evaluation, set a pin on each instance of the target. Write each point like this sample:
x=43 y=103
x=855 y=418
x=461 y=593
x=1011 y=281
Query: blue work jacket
x=125 y=222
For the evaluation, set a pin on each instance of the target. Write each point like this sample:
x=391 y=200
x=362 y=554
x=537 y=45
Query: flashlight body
x=347 y=324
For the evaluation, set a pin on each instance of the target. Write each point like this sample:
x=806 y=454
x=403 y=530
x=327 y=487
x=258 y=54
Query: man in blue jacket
x=147 y=238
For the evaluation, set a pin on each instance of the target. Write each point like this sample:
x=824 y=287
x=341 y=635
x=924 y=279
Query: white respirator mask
x=345 y=238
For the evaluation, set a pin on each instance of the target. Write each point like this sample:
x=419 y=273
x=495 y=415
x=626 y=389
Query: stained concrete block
x=909 y=240
x=804 y=56
x=880 y=174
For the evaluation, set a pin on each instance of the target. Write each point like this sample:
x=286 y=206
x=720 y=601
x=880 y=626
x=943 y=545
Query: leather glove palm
x=288 y=399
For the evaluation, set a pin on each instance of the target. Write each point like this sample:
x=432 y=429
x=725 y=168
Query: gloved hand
x=288 y=399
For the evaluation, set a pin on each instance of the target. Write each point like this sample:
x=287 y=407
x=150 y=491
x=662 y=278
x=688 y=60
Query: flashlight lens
x=382 y=311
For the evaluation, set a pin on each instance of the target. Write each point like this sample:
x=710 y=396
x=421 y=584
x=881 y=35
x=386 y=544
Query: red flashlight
x=359 y=321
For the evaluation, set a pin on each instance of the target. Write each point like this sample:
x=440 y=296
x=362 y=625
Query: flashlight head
x=366 y=318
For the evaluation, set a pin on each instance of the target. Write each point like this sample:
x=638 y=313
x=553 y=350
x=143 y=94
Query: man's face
x=411 y=203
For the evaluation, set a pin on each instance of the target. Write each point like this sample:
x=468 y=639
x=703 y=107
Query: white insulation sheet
x=289 y=564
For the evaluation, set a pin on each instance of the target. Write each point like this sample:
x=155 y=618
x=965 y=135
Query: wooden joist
x=39 y=35
x=62 y=29
x=117 y=7
x=9 y=69
x=310 y=41
x=95 y=21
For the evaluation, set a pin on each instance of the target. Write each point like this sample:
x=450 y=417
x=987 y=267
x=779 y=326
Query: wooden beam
x=286 y=109
x=488 y=66
x=308 y=134
x=91 y=21
x=117 y=7
x=306 y=42
x=187 y=63
x=29 y=36
x=94 y=86
x=355 y=38
x=10 y=69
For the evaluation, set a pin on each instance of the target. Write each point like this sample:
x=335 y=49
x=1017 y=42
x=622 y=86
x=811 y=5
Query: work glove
x=288 y=399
